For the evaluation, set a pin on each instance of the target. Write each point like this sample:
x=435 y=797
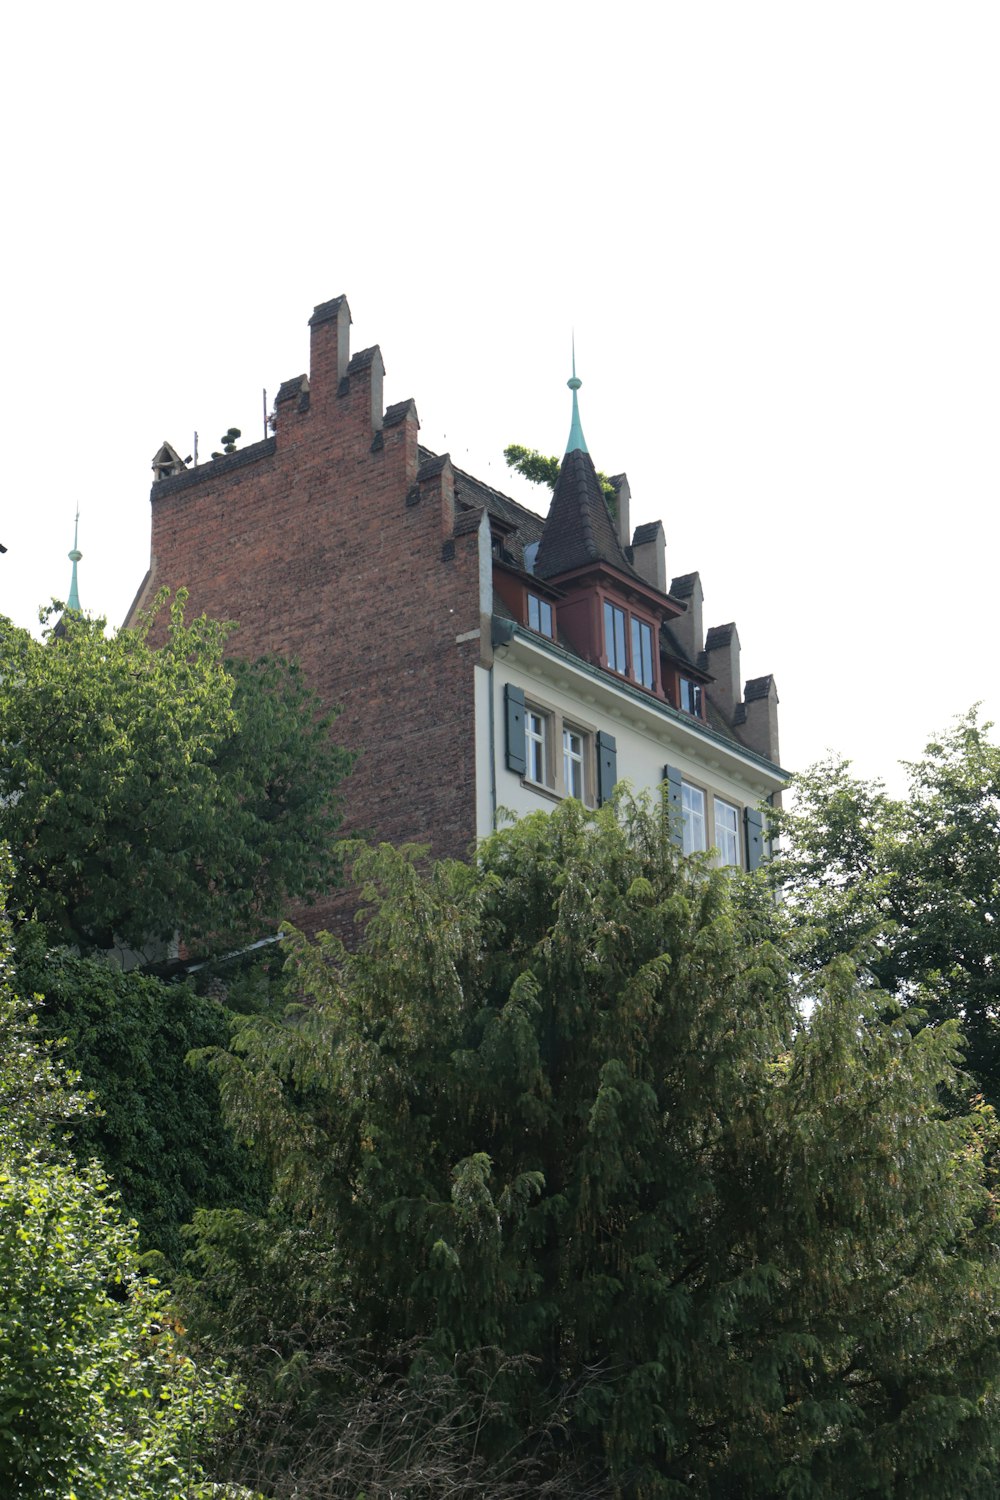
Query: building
x=483 y=657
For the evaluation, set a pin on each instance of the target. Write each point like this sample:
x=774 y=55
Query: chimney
x=649 y=554
x=688 y=627
x=759 y=716
x=329 y=348
x=722 y=648
x=623 y=495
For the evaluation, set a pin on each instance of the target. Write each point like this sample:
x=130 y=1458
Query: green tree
x=911 y=885
x=543 y=469
x=153 y=791
x=558 y=1106
x=98 y=1397
x=158 y=1131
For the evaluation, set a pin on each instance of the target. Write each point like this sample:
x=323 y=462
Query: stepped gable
x=578 y=530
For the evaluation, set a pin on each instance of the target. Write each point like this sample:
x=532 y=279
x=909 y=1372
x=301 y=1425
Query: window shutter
x=675 y=807
x=607 y=766
x=514 y=715
x=753 y=825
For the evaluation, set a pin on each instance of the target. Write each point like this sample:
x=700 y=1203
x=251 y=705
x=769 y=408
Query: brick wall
x=327 y=543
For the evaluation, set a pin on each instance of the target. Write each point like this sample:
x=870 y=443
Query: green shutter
x=607 y=766
x=753 y=825
x=674 y=804
x=514 y=714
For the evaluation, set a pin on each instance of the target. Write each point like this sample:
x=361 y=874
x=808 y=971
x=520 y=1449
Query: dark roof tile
x=325 y=311
x=432 y=466
x=468 y=520
x=398 y=412
x=289 y=389
x=363 y=358
x=646 y=533
x=758 y=687
x=578 y=528
x=683 y=587
x=719 y=635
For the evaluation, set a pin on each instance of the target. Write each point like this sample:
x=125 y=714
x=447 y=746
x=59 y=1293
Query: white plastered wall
x=646 y=737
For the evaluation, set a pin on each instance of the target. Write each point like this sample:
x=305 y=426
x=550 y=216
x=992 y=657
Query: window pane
x=642 y=652
x=693 y=806
x=727 y=837
x=535 y=731
x=614 y=637
x=573 y=763
x=539 y=615
x=691 y=697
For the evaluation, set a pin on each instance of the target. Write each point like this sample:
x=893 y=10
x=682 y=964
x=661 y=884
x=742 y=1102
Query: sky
x=774 y=230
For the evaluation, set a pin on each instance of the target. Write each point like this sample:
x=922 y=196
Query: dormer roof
x=578 y=529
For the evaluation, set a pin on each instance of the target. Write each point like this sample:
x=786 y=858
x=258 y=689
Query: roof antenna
x=576 y=437
x=73 y=602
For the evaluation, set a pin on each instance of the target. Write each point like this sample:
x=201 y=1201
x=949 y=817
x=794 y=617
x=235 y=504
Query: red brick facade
x=328 y=542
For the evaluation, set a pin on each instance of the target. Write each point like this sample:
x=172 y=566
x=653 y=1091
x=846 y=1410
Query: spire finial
x=576 y=437
x=73 y=602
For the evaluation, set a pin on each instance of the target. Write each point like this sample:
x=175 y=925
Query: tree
x=910 y=885
x=157 y=1131
x=558 y=1106
x=98 y=1396
x=541 y=469
x=154 y=791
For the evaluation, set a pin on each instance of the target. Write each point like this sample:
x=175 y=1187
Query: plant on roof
x=545 y=470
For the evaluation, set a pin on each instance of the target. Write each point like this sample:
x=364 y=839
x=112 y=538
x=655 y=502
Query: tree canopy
x=910 y=886
x=150 y=791
x=97 y=1396
x=559 y=1108
x=544 y=469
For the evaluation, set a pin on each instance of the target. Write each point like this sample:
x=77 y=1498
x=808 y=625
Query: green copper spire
x=73 y=602
x=576 y=437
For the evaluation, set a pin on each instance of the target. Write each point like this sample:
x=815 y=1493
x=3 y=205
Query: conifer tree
x=560 y=1105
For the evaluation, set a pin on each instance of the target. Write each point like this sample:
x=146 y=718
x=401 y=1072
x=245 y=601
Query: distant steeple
x=576 y=438
x=73 y=602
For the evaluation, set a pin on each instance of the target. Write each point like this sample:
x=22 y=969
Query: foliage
x=150 y=791
x=158 y=1132
x=545 y=470
x=97 y=1396
x=911 y=885
x=556 y=1106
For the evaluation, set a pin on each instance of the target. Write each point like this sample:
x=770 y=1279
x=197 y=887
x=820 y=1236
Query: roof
x=578 y=528
x=719 y=635
x=646 y=533
x=525 y=525
x=683 y=587
x=758 y=687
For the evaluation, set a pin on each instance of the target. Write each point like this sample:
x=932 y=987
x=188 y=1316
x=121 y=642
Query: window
x=727 y=834
x=614 y=638
x=539 y=615
x=555 y=756
x=691 y=697
x=642 y=652
x=693 y=805
x=574 y=746
x=537 y=730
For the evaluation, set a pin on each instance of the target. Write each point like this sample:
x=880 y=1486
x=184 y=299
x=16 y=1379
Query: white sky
x=774 y=227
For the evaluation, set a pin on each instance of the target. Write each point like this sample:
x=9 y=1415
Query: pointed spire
x=576 y=437
x=73 y=602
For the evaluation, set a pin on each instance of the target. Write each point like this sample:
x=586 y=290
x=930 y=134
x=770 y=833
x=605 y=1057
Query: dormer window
x=539 y=615
x=621 y=627
x=642 y=652
x=614 y=638
x=691 y=697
